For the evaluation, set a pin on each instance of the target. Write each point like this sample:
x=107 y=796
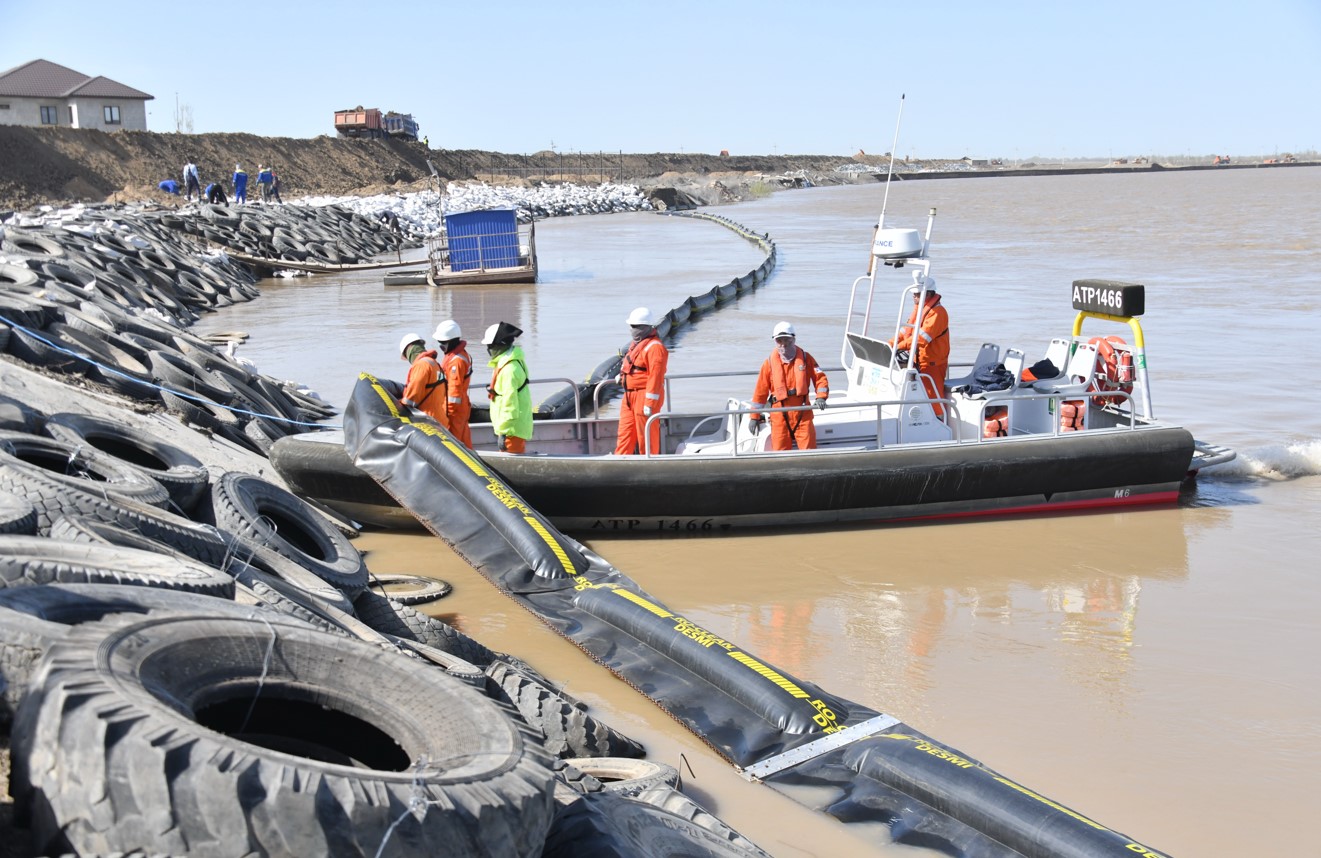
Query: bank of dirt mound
x=61 y=165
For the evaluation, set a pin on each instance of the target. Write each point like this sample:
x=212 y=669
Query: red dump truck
x=371 y=122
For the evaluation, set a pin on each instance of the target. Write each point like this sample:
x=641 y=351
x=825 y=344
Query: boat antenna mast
x=885 y=200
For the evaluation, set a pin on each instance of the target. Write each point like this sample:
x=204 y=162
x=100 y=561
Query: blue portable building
x=482 y=239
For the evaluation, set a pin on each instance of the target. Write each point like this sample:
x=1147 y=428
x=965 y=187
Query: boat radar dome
x=896 y=243
x=783 y=329
x=641 y=316
x=408 y=340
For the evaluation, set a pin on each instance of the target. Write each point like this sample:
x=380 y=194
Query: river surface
x=1154 y=669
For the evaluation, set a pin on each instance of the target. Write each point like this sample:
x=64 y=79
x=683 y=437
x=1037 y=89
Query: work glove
x=754 y=425
x=500 y=443
x=901 y=357
x=820 y=403
x=646 y=411
x=619 y=379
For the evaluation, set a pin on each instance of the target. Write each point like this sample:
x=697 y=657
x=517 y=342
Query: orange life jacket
x=457 y=369
x=794 y=384
x=639 y=364
x=1073 y=415
x=996 y=423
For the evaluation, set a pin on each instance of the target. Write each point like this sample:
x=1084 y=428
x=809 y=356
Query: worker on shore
x=169 y=186
x=215 y=194
x=923 y=343
x=264 y=179
x=275 y=186
x=240 y=186
x=643 y=378
x=457 y=369
x=425 y=387
x=191 y=182
x=786 y=379
x=511 y=402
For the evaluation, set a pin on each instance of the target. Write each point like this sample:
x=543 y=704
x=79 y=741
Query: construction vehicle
x=400 y=125
x=370 y=122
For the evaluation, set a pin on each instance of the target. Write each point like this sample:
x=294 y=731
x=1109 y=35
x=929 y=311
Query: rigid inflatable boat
x=1078 y=433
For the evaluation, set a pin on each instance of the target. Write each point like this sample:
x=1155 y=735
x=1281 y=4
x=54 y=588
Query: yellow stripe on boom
x=553 y=543
x=381 y=392
x=461 y=453
x=748 y=661
x=641 y=602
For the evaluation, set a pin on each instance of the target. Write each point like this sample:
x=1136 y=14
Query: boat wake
x=1272 y=462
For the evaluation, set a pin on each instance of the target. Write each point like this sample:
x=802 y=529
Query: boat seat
x=1013 y=362
x=1077 y=375
x=988 y=355
x=1058 y=354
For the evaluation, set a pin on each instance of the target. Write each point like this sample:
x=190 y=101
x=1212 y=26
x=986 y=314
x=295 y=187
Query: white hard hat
x=447 y=330
x=501 y=333
x=930 y=285
x=408 y=340
x=641 y=316
x=783 y=329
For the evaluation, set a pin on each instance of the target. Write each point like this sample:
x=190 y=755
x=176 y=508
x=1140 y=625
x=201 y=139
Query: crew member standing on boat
x=643 y=378
x=928 y=352
x=457 y=368
x=511 y=402
x=425 y=387
x=786 y=378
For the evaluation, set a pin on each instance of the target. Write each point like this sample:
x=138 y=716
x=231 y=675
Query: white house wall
x=90 y=112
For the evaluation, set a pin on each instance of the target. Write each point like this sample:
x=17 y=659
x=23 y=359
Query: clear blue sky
x=986 y=79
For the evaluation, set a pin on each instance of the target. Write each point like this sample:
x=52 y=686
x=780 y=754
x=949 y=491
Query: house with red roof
x=42 y=93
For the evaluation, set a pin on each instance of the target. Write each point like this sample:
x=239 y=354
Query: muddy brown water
x=1154 y=669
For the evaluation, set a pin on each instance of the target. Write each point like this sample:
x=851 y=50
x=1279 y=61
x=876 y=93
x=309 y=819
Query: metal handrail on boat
x=1057 y=411
x=704 y=417
x=877 y=404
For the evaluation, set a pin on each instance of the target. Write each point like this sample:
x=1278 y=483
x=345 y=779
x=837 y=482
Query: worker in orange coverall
x=425 y=387
x=930 y=355
x=786 y=379
x=457 y=367
x=643 y=378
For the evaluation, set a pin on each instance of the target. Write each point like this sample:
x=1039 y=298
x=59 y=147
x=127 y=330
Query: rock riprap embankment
x=421 y=213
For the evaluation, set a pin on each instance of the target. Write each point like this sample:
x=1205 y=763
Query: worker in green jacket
x=511 y=402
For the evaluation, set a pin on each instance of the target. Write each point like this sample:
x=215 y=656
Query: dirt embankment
x=62 y=165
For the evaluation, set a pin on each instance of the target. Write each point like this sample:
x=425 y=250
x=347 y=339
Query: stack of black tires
x=201 y=664
x=106 y=303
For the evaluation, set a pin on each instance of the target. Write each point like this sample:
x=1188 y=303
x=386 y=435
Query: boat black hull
x=701 y=493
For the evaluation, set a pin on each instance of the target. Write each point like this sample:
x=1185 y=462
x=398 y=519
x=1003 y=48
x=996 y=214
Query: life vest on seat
x=995 y=423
